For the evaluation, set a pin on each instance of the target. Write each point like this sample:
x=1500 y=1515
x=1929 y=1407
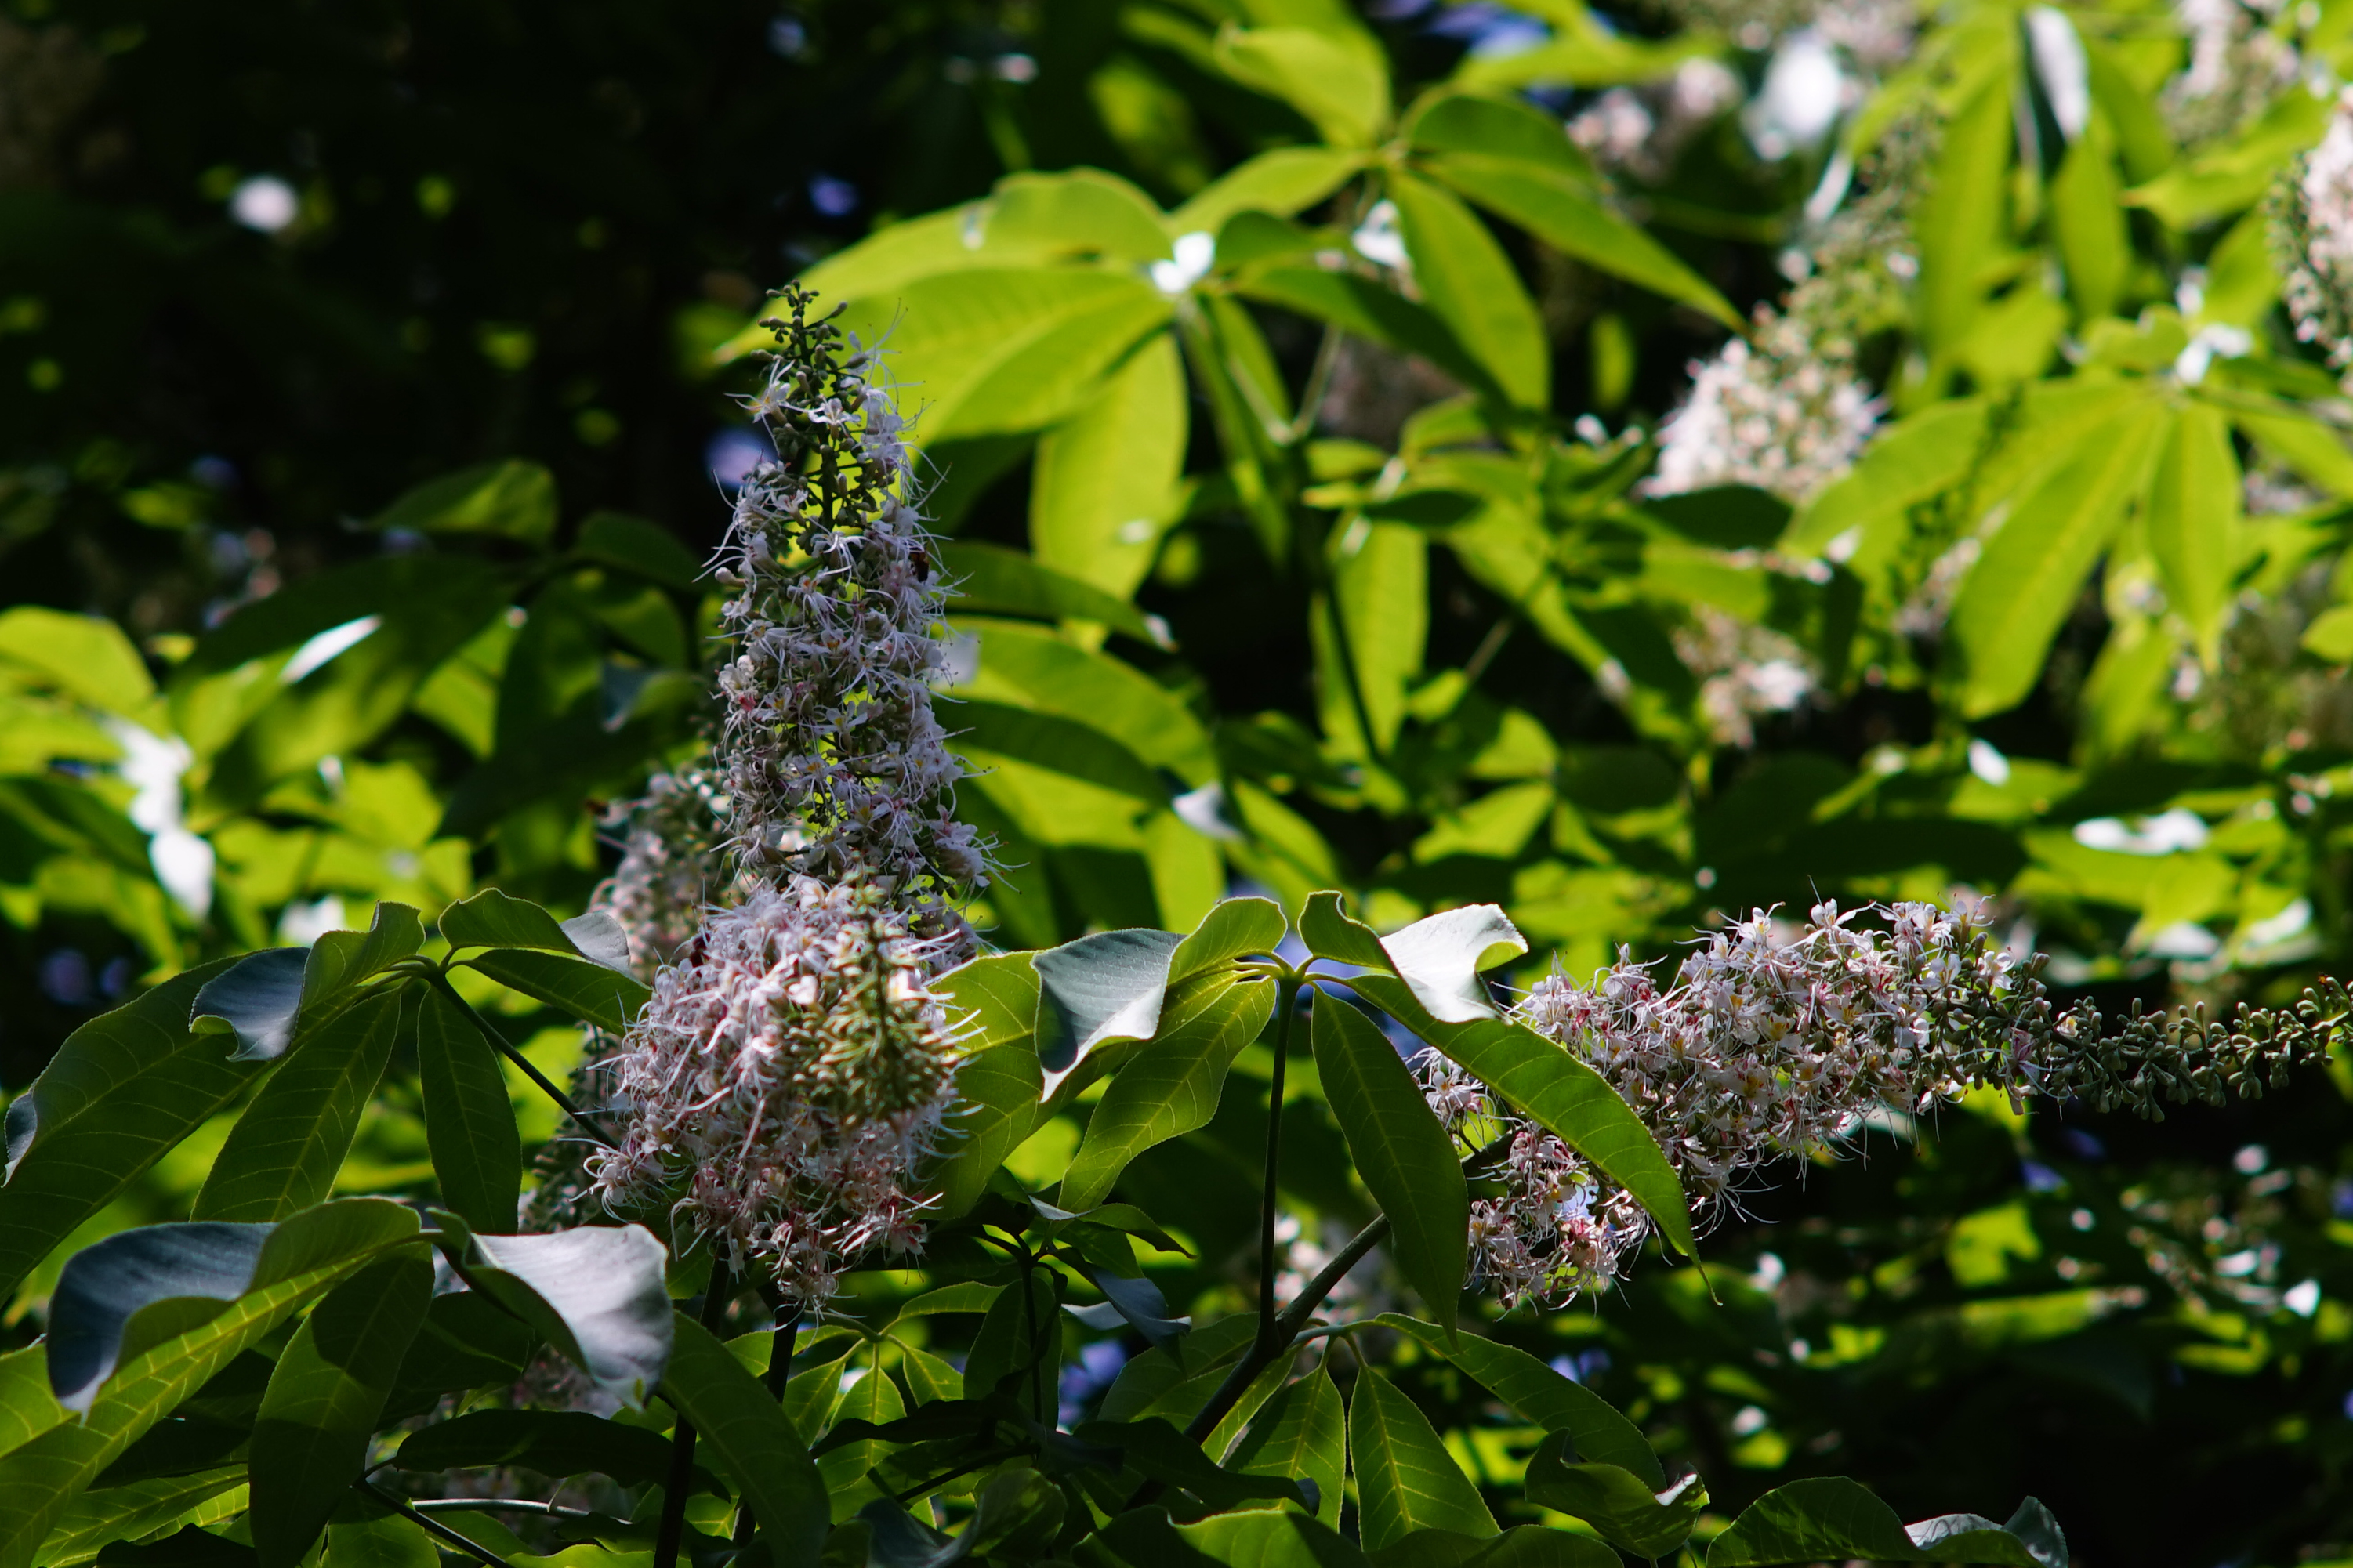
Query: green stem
x=779 y=1373
x=498 y=1043
x=1286 y=1004
x=431 y=1525
x=715 y=1297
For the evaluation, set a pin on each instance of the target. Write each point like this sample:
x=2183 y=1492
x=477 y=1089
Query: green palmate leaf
x=929 y=1378
x=255 y=1000
x=1038 y=668
x=28 y=1408
x=101 y=1517
x=1400 y=1150
x=1146 y=1539
x=1380 y=588
x=1074 y=213
x=597 y=1293
x=1135 y=1302
x=752 y=1441
x=299 y=1261
x=1107 y=986
x=1471 y=283
x=991 y=577
x=1171 y=1085
x=1359 y=305
x=2095 y=247
x=848 y=1470
x=1529 y=1546
x=1281 y=182
x=122 y=1088
x=1862 y=517
x=111 y=1282
x=341 y=960
x=391 y=1541
x=1005 y=352
x=85 y=656
x=1302 y=1432
x=1406 y=1480
x=1104 y=485
x=997 y=1092
x=325 y=1399
x=1339 y=82
x=1961 y=221
x=1561 y=1094
x=1157 y=1450
x=512 y=500
x=1437 y=959
x=1558 y=208
x=1156 y=1384
x=284 y=1152
x=1049 y=740
x=1619 y=1504
x=1544 y=1397
x=585 y=988
x=2193 y=519
x=491 y=918
x=1495 y=128
x=470 y=1124
x=1015 y=1350
x=634 y=545
x=2306 y=445
x=1234 y=928
x=1831 y=1517
x=465 y=1342
x=2019 y=593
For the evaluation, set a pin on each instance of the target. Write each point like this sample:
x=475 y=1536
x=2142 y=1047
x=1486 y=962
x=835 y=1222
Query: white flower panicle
x=786 y=1082
x=672 y=866
x=833 y=760
x=1556 y=1229
x=1776 y=414
x=1744 y=672
x=789 y=1075
x=1774 y=1041
x=2240 y=60
x=1780 y=1039
x=2311 y=214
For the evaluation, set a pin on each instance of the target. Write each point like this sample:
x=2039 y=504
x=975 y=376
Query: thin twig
x=432 y=1527
x=494 y=1505
x=715 y=1297
x=498 y=1043
x=1287 y=1004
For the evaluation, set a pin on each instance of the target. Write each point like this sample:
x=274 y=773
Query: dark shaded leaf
x=255 y=1000
x=1402 y=1152
x=1834 y=1518
x=558 y=1444
x=324 y=1401
x=512 y=500
x=1154 y=1449
x=597 y=1293
x=1544 y=1397
x=284 y=1152
x=1107 y=986
x=638 y=546
x=469 y=1125
x=105 y=1284
x=991 y=577
x=1617 y=1502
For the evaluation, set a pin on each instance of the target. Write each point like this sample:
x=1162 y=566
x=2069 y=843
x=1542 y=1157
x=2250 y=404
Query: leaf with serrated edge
x=325 y=1398
x=1401 y=1151
x=284 y=1152
x=1168 y=1088
x=1406 y=1480
x=1544 y=1397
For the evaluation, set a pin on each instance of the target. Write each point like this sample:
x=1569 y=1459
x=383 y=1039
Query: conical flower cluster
x=1781 y=1039
x=787 y=1079
x=2312 y=238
